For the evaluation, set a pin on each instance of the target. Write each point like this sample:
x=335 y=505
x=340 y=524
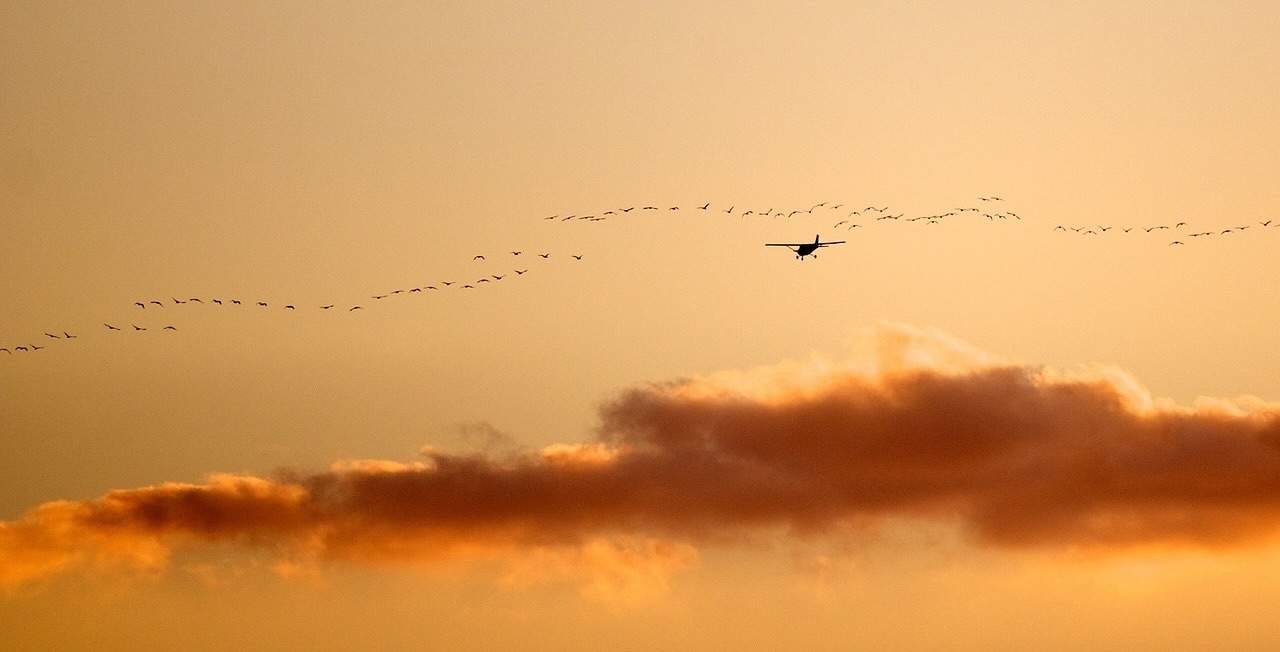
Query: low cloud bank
x=926 y=427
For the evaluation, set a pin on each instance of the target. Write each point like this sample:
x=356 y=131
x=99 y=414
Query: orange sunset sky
x=450 y=325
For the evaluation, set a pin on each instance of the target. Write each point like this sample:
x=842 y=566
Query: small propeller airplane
x=805 y=248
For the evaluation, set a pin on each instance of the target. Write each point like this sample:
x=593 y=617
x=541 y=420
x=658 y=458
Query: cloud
x=1017 y=456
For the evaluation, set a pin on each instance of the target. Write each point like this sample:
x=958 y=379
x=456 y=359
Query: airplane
x=806 y=248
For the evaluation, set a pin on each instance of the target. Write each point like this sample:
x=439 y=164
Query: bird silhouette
x=326 y=307
x=354 y=308
x=158 y=303
x=520 y=271
x=218 y=301
x=577 y=256
x=289 y=307
x=515 y=253
x=704 y=206
x=69 y=335
x=111 y=327
x=36 y=348
x=169 y=328
x=478 y=257
x=263 y=304
x=53 y=336
x=138 y=328
x=140 y=304
x=544 y=255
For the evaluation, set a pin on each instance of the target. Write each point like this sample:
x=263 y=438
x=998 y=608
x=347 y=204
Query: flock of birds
x=872 y=212
x=155 y=305
x=988 y=208
x=1182 y=236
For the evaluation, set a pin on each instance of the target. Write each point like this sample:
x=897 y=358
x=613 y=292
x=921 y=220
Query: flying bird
x=138 y=328
x=140 y=304
x=169 y=328
x=478 y=257
x=354 y=308
x=520 y=271
x=111 y=327
x=53 y=336
x=577 y=256
x=69 y=335
x=326 y=307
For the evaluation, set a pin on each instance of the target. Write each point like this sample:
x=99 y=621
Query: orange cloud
x=1016 y=455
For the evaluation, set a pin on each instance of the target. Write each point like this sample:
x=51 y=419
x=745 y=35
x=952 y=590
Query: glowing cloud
x=1017 y=456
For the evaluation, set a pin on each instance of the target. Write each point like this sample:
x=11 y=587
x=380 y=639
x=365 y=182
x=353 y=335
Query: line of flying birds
x=877 y=214
x=154 y=304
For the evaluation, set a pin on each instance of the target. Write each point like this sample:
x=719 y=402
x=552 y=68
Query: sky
x=1031 y=400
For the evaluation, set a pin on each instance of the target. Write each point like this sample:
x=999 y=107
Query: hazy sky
x=1048 y=422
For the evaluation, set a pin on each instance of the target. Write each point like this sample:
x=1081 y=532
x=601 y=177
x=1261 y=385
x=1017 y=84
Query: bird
x=111 y=327
x=1175 y=242
x=577 y=256
x=263 y=304
x=515 y=253
x=468 y=286
x=497 y=277
x=379 y=296
x=289 y=307
x=520 y=271
x=195 y=300
x=235 y=301
x=36 y=348
x=483 y=280
x=169 y=328
x=544 y=255
x=158 y=303
x=728 y=211
x=7 y=351
x=354 y=308
x=138 y=328
x=478 y=257
x=448 y=283
x=416 y=290
x=704 y=206
x=69 y=335
x=20 y=348
x=326 y=307
x=218 y=301
x=140 y=304
x=53 y=336
x=175 y=300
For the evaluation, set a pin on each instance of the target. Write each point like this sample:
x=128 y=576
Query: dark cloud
x=1017 y=456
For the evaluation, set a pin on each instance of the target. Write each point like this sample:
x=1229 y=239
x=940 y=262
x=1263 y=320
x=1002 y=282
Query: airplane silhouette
x=805 y=248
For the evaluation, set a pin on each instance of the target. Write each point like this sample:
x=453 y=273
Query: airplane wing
x=823 y=244
x=783 y=244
